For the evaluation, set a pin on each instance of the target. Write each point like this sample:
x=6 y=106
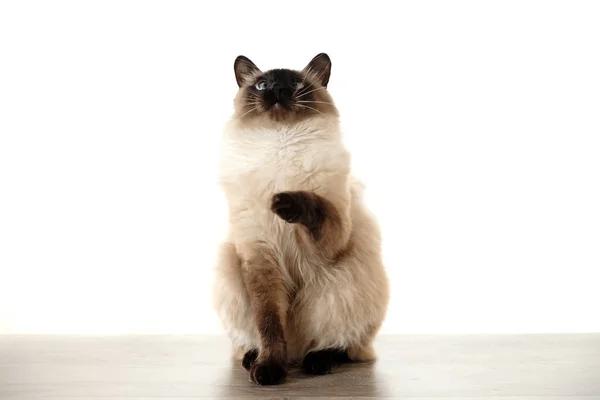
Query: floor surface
x=487 y=367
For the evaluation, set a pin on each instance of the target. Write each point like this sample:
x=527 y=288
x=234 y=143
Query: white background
x=475 y=125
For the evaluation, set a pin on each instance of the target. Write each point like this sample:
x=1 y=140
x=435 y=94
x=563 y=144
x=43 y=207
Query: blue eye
x=261 y=85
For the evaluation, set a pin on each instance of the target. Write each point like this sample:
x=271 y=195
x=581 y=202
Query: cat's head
x=283 y=95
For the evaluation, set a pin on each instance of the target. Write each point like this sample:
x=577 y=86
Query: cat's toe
x=249 y=358
x=317 y=364
x=268 y=373
x=322 y=362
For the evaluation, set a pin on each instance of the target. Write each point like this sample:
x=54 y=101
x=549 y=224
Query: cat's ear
x=244 y=70
x=320 y=68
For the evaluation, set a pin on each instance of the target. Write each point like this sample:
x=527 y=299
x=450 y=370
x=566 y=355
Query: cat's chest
x=269 y=165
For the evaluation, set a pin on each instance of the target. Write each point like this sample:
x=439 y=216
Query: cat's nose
x=278 y=90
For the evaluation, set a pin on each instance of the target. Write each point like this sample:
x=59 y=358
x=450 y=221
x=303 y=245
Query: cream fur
x=332 y=304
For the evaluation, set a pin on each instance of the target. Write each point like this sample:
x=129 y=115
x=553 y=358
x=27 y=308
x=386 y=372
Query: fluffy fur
x=292 y=287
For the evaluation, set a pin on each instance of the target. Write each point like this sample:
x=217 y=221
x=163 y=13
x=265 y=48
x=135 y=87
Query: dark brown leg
x=268 y=301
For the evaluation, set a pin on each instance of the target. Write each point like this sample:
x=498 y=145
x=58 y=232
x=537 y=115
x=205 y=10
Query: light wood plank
x=507 y=367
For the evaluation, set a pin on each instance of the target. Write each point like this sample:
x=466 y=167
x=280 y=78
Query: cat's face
x=282 y=94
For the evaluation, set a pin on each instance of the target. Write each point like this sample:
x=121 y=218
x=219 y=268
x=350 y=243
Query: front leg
x=325 y=228
x=269 y=304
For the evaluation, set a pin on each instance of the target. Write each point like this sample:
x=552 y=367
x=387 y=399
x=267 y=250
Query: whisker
x=314 y=90
x=311 y=101
x=314 y=109
x=247 y=112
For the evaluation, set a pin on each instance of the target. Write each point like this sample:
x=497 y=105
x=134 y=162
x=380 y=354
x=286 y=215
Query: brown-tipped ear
x=244 y=69
x=320 y=68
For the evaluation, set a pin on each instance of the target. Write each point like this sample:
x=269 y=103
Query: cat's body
x=301 y=271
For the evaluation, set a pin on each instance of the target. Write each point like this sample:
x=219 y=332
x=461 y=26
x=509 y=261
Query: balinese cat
x=300 y=278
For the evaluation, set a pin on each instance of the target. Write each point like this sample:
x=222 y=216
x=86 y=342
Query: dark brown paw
x=322 y=362
x=268 y=373
x=249 y=358
x=288 y=206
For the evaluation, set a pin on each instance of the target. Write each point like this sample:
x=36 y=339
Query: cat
x=300 y=278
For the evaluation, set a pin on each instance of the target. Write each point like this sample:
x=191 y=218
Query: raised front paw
x=288 y=206
x=268 y=373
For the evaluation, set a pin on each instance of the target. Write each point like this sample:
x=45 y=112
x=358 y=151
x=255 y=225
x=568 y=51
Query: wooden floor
x=548 y=367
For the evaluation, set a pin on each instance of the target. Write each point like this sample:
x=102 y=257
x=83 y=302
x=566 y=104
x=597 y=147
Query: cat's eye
x=298 y=85
x=261 y=85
